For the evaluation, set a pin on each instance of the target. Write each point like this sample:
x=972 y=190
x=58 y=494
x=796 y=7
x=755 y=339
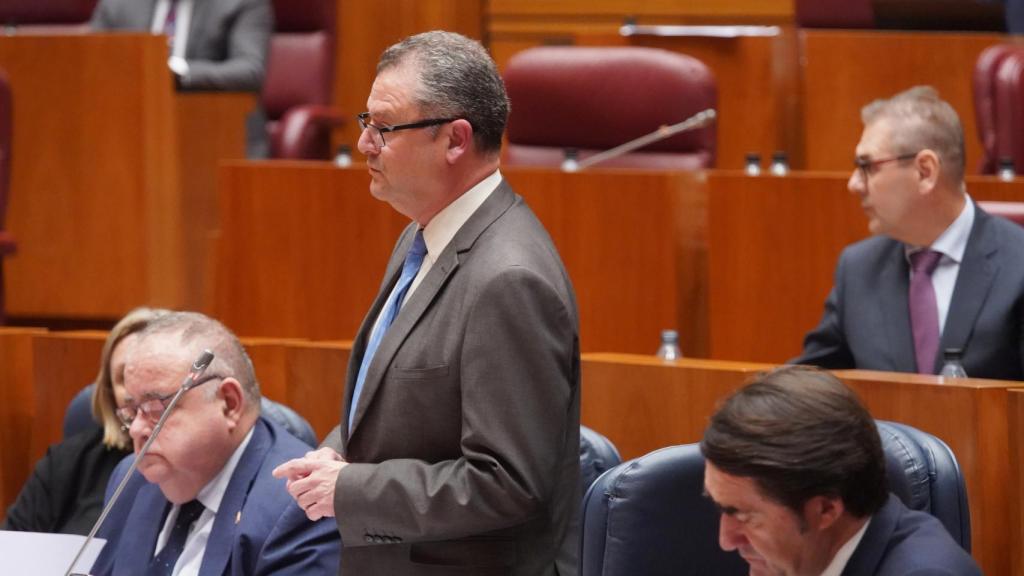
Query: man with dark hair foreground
x=795 y=465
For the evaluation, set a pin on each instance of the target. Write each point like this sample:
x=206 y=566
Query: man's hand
x=311 y=481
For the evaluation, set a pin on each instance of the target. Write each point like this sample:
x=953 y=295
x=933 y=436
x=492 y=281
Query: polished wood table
x=113 y=176
x=302 y=250
x=642 y=404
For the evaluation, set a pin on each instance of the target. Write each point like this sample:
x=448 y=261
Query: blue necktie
x=163 y=563
x=413 y=261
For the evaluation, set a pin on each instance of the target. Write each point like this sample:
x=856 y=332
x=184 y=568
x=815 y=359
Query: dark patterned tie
x=163 y=563
x=413 y=261
x=924 y=310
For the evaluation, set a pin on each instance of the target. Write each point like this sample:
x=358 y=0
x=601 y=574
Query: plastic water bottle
x=952 y=366
x=571 y=162
x=780 y=166
x=1005 y=171
x=752 y=167
x=669 y=349
x=343 y=159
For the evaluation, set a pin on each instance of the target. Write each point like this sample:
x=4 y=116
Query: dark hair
x=458 y=79
x=799 y=432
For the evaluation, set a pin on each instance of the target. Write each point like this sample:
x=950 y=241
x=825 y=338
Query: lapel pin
x=238 y=517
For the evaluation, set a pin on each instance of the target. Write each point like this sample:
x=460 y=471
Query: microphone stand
x=698 y=120
x=190 y=382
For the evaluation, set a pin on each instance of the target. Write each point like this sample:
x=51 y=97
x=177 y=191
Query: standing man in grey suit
x=458 y=447
x=214 y=44
x=939 y=274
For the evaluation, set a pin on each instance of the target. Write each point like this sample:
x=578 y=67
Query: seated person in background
x=205 y=502
x=214 y=44
x=795 y=464
x=939 y=273
x=65 y=492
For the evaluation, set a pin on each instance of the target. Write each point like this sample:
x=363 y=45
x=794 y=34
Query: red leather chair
x=7 y=244
x=834 y=14
x=593 y=99
x=1008 y=118
x=984 y=84
x=1013 y=211
x=47 y=15
x=300 y=73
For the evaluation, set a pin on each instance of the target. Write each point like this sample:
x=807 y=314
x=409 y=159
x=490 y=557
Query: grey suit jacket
x=867 y=319
x=465 y=441
x=227 y=41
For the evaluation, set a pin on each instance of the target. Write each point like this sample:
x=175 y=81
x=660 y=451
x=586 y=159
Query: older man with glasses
x=204 y=501
x=457 y=450
x=940 y=274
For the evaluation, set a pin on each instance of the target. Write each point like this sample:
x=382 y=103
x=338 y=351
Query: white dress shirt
x=952 y=244
x=211 y=495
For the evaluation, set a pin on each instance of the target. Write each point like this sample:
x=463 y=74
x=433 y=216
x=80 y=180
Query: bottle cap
x=953 y=353
x=669 y=336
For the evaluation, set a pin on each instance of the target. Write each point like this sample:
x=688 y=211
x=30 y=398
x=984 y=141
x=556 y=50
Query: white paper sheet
x=36 y=554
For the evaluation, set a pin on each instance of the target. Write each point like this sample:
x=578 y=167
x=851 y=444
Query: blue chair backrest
x=924 y=473
x=78 y=417
x=649 y=516
x=597 y=454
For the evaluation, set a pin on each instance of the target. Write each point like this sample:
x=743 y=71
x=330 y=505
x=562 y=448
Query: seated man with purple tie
x=203 y=500
x=940 y=274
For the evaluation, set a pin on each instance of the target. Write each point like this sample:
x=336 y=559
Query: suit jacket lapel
x=141 y=530
x=420 y=300
x=222 y=536
x=894 y=310
x=868 y=555
x=974 y=280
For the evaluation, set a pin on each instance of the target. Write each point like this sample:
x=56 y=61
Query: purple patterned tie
x=924 y=311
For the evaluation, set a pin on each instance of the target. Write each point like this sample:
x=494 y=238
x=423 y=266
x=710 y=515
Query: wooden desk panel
x=642 y=404
x=844 y=70
x=1016 y=498
x=773 y=244
x=112 y=175
x=16 y=402
x=303 y=250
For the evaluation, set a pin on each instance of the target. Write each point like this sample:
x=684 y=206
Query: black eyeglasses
x=377 y=134
x=868 y=166
x=152 y=408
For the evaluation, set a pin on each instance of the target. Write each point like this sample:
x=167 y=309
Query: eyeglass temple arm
x=190 y=382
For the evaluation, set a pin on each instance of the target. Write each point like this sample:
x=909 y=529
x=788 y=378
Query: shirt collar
x=845 y=552
x=443 y=226
x=213 y=492
x=952 y=243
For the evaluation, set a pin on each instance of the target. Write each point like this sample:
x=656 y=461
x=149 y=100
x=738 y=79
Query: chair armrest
x=306 y=132
x=7 y=243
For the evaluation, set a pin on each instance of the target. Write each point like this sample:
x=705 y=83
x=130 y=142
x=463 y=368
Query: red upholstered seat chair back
x=22 y=12
x=593 y=99
x=1009 y=109
x=1013 y=211
x=984 y=85
x=834 y=14
x=300 y=74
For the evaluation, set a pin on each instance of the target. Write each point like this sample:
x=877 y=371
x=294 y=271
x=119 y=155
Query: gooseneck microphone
x=698 y=120
x=191 y=381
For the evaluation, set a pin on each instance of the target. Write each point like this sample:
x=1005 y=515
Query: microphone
x=698 y=120
x=191 y=381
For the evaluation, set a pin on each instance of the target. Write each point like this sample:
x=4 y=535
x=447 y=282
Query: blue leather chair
x=78 y=417
x=649 y=516
x=597 y=454
x=924 y=473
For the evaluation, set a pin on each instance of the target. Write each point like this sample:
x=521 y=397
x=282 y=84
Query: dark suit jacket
x=227 y=41
x=65 y=492
x=904 y=542
x=465 y=441
x=272 y=537
x=867 y=318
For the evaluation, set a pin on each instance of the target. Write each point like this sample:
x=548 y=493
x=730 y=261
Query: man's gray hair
x=201 y=331
x=919 y=119
x=457 y=79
